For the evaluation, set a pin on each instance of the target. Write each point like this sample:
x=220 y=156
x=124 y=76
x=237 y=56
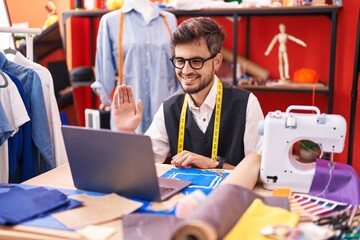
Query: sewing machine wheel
x=305 y=151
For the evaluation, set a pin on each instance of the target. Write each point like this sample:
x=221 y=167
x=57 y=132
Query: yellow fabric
x=258 y=216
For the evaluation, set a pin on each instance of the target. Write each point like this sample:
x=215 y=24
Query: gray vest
x=232 y=126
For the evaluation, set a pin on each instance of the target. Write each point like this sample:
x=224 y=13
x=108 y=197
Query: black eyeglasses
x=195 y=63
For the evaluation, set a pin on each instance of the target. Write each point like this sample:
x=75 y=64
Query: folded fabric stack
x=19 y=205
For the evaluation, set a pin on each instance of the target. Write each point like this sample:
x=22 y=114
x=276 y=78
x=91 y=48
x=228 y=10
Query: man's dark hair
x=197 y=28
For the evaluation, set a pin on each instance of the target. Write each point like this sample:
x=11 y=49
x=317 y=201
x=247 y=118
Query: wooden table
x=60 y=177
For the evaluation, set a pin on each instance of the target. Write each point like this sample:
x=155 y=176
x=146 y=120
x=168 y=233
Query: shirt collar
x=210 y=98
x=129 y=6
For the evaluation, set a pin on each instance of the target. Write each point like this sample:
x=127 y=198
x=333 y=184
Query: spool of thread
x=189 y=203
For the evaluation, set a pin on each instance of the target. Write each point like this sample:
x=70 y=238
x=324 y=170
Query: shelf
x=264 y=11
x=83 y=13
x=292 y=88
x=45 y=43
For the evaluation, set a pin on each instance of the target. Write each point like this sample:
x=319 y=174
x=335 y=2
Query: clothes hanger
x=6 y=83
x=10 y=50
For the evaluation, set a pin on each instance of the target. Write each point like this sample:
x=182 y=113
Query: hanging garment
x=146 y=53
x=16 y=115
x=40 y=126
x=22 y=165
x=52 y=109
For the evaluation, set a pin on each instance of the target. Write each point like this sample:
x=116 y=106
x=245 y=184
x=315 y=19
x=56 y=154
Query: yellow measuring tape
x=215 y=141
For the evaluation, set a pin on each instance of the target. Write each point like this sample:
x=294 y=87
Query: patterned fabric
x=204 y=180
x=310 y=207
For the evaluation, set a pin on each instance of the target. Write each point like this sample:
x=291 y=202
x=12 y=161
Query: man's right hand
x=127 y=116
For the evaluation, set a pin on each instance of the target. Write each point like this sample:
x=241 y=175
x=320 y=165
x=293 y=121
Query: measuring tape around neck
x=215 y=141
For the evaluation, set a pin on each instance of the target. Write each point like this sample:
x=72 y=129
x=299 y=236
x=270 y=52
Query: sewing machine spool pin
x=331 y=164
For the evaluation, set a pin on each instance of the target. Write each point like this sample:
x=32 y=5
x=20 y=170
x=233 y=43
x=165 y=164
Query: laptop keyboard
x=165 y=190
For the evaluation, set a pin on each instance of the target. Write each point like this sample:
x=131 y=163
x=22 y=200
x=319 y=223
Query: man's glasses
x=196 y=63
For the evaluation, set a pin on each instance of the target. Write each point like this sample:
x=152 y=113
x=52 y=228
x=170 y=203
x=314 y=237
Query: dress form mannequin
x=146 y=52
x=143 y=7
x=283 y=57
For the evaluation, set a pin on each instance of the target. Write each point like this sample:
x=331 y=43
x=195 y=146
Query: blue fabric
x=146 y=51
x=40 y=127
x=46 y=220
x=19 y=205
x=5 y=127
x=204 y=180
x=22 y=165
x=64 y=118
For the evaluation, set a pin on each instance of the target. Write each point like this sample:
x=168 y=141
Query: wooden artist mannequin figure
x=282 y=37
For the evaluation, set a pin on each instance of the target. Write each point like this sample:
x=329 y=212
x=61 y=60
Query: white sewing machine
x=279 y=169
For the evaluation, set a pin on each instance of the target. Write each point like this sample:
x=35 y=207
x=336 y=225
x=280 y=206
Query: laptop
x=106 y=161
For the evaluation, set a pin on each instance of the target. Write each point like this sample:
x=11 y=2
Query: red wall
x=344 y=70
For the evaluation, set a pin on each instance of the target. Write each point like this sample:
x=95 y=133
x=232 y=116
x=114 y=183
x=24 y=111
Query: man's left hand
x=186 y=159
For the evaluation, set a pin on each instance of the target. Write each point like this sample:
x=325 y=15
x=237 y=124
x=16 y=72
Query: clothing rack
x=29 y=37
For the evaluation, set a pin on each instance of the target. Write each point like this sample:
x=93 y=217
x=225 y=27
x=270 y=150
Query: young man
x=206 y=125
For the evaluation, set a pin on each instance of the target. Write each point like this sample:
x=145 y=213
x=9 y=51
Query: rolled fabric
x=215 y=216
x=226 y=204
x=246 y=173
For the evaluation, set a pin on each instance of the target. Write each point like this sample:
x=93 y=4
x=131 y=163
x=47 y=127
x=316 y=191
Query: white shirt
x=202 y=116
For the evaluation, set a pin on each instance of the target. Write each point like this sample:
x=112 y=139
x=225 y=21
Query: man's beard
x=197 y=89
